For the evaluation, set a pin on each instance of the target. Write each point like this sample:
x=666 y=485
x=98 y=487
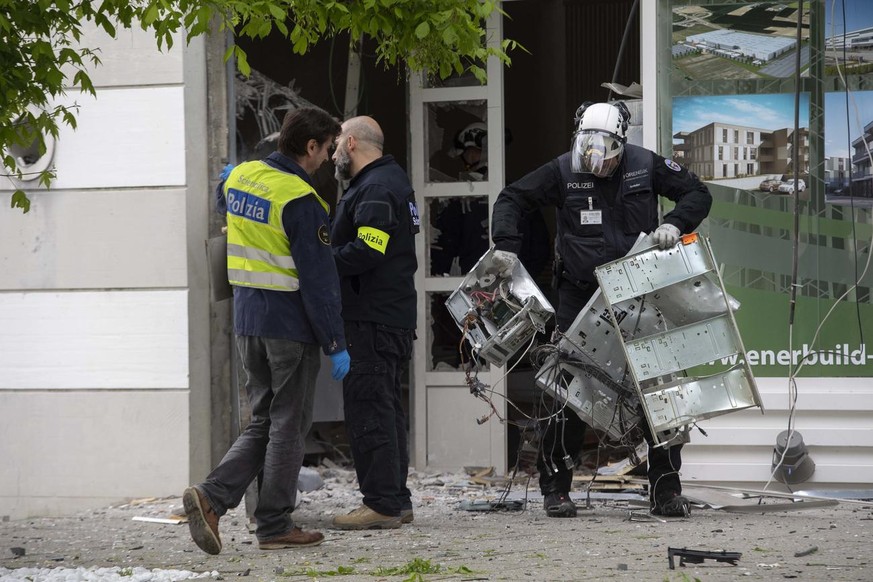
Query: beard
x=342 y=165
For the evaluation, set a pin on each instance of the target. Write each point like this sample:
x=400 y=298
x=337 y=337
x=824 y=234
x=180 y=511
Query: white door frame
x=444 y=432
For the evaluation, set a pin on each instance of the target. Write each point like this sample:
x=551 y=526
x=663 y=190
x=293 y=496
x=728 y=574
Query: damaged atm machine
x=654 y=343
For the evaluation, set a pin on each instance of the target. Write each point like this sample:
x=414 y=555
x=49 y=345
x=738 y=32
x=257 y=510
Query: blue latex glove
x=341 y=362
x=225 y=172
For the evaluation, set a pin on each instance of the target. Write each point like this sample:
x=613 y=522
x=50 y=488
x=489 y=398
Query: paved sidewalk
x=448 y=543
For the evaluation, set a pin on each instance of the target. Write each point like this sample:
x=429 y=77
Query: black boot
x=672 y=505
x=559 y=505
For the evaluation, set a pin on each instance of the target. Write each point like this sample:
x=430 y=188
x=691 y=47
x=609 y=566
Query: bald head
x=365 y=129
x=359 y=144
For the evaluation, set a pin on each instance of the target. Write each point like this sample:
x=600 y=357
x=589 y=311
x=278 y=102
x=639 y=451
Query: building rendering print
x=849 y=137
x=848 y=37
x=742 y=141
x=733 y=41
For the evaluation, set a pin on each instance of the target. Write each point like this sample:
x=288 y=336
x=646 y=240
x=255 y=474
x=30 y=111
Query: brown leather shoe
x=406 y=516
x=365 y=518
x=202 y=521
x=296 y=538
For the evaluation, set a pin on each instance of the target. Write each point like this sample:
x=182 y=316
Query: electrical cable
x=491 y=390
x=483 y=299
x=556 y=369
x=849 y=150
x=850 y=95
x=792 y=383
x=792 y=301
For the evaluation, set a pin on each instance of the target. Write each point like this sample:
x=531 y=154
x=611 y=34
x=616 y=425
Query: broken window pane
x=447 y=352
x=454 y=141
x=458 y=234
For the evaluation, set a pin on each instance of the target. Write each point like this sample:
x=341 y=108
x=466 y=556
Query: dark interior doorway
x=573 y=47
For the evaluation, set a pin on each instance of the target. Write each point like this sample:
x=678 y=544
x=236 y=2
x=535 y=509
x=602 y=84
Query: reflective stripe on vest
x=258 y=250
x=264 y=275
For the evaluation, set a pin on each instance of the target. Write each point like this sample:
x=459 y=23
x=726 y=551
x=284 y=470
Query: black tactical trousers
x=565 y=432
x=561 y=443
x=663 y=471
x=565 y=438
x=375 y=420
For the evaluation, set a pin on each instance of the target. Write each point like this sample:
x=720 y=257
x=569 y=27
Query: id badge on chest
x=590 y=216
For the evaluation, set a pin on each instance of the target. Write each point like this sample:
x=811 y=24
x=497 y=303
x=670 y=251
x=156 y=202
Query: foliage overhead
x=43 y=56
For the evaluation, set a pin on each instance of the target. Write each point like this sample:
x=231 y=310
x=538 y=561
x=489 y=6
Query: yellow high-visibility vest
x=258 y=250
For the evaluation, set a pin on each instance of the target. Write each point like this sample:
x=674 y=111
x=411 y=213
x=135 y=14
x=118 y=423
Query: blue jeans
x=280 y=382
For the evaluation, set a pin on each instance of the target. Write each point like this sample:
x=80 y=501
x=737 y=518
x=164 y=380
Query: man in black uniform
x=373 y=239
x=606 y=193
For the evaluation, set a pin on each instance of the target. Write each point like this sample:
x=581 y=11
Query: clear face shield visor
x=595 y=153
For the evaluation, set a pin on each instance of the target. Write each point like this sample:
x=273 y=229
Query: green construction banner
x=837 y=351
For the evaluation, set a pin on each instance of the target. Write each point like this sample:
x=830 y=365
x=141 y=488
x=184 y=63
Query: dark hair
x=304 y=124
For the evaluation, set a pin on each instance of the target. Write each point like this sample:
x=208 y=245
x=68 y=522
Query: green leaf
x=20 y=200
x=479 y=73
x=229 y=52
x=300 y=46
x=242 y=61
x=45 y=178
x=450 y=37
x=46 y=51
x=150 y=15
x=54 y=80
x=445 y=70
x=69 y=119
x=108 y=27
x=82 y=79
x=264 y=28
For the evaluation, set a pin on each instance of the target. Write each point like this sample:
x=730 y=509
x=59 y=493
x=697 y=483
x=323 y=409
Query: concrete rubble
x=614 y=539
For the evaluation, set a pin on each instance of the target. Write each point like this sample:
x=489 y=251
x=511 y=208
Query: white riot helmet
x=474 y=135
x=601 y=132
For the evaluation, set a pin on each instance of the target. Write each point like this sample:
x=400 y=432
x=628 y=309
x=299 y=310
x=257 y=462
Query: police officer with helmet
x=605 y=192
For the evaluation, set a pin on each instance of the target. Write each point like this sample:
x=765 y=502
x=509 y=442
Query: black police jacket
x=599 y=219
x=373 y=239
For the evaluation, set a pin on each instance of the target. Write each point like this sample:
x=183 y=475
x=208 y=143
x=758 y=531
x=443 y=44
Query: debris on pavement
x=806 y=552
x=610 y=540
x=698 y=556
